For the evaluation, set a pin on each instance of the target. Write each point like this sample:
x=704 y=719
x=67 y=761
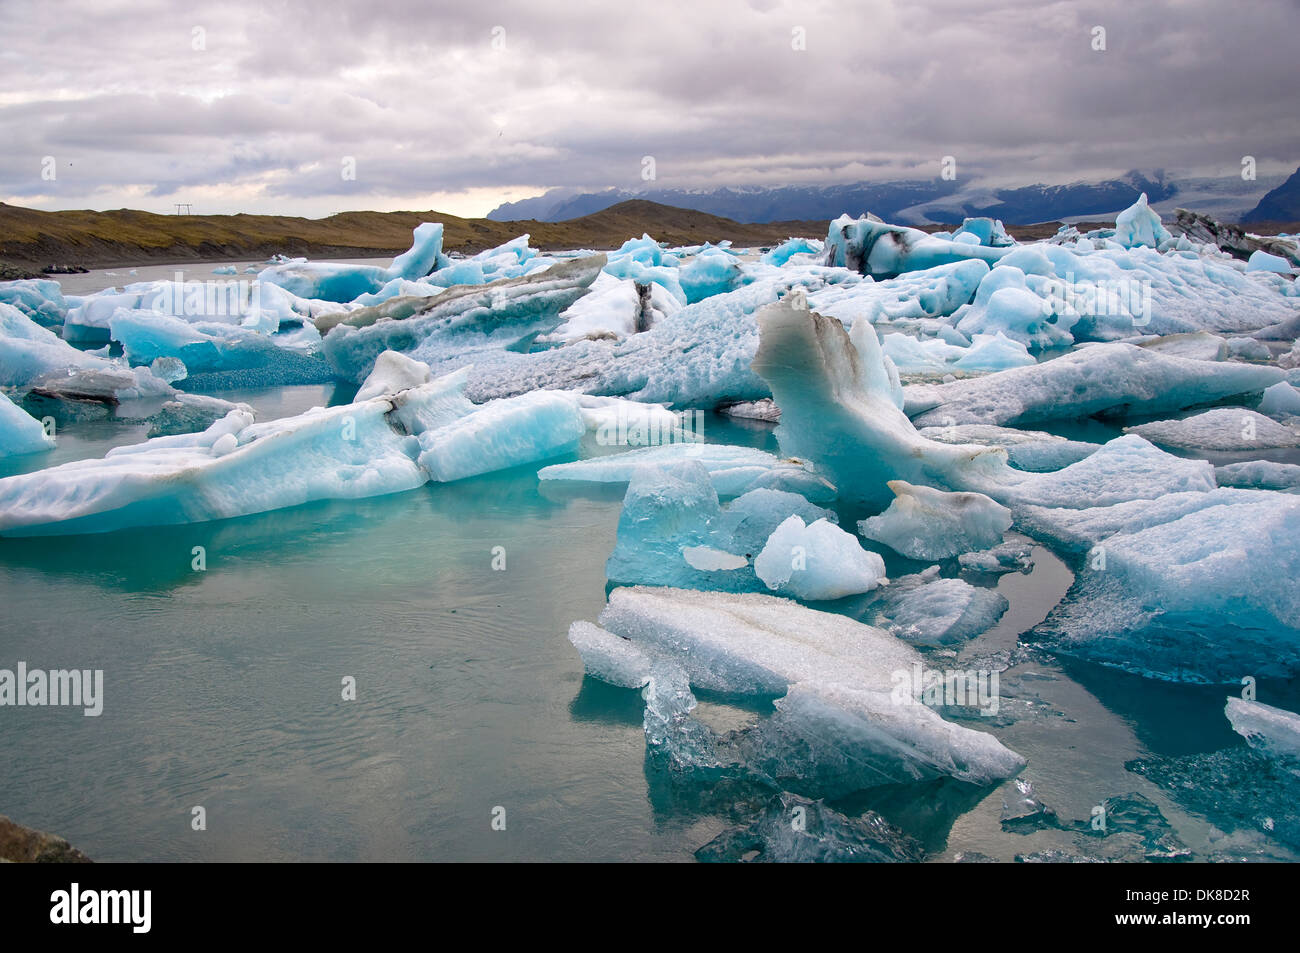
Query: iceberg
x=1280 y=400
x=1116 y=379
x=782 y=253
x=451 y=329
x=927 y=610
x=20 y=432
x=1261 y=260
x=847 y=715
x=332 y=281
x=233 y=468
x=1274 y=731
x=926 y=524
x=510 y=432
x=1182 y=587
x=817 y=561
x=1140 y=225
x=1259 y=475
x=837 y=410
x=733 y=471
x=886 y=251
x=41 y=299
x=1225 y=428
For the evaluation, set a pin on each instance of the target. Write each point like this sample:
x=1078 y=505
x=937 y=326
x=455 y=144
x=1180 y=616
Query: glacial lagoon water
x=223 y=689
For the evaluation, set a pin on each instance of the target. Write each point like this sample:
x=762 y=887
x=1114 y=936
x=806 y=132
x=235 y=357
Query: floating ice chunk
x=985 y=231
x=393 y=372
x=993 y=352
x=669 y=510
x=748 y=521
x=1274 y=731
x=883 y=251
x=823 y=836
x=1114 y=378
x=818 y=561
x=1262 y=261
x=1259 y=475
x=458 y=323
x=224 y=270
x=764 y=409
x=609 y=657
x=732 y=470
x=1225 y=428
x=1140 y=225
x=1280 y=400
x=913 y=356
x=333 y=281
x=850 y=718
x=1005 y=304
x=614 y=308
x=40 y=299
x=503 y=433
x=1007 y=557
x=1248 y=349
x=345 y=452
x=1184 y=587
x=711 y=272
x=782 y=253
x=20 y=432
x=927 y=524
x=1195 y=345
x=1126 y=468
x=837 y=409
x=925 y=609
x=169 y=369
x=1031 y=450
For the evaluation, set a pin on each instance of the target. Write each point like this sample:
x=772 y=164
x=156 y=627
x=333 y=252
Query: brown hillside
x=129 y=237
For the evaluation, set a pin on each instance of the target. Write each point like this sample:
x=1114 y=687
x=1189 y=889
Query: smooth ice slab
x=733 y=470
x=503 y=433
x=233 y=468
x=850 y=717
x=1104 y=378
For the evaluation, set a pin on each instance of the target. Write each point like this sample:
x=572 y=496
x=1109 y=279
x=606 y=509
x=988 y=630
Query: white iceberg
x=1224 y=428
x=926 y=524
x=817 y=561
x=20 y=432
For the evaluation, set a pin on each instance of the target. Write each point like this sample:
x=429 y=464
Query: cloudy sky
x=315 y=107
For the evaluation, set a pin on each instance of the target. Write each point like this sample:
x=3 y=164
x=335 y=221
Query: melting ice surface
x=993 y=530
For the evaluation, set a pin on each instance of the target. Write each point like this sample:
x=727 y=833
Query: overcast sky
x=258 y=107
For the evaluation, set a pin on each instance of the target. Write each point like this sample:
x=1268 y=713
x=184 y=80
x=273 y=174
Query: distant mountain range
x=926 y=201
x=1282 y=204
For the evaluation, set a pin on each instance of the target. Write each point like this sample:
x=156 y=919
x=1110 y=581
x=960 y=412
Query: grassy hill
x=128 y=237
